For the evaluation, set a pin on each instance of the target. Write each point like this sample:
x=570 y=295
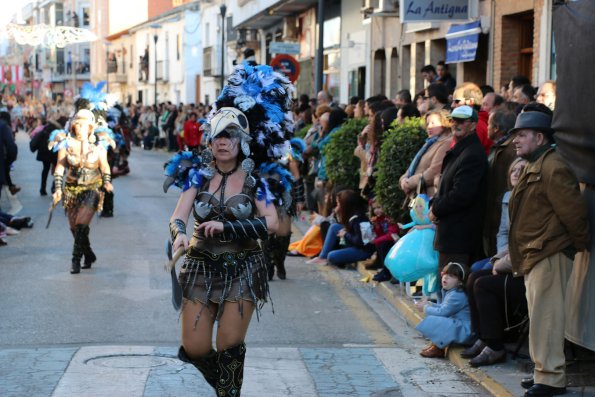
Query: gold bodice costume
x=83 y=180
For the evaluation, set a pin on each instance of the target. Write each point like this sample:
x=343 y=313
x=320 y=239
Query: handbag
x=422 y=188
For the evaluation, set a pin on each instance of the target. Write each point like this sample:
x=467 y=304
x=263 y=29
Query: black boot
x=270 y=249
x=77 y=250
x=231 y=371
x=282 y=245
x=207 y=365
x=108 y=205
x=90 y=257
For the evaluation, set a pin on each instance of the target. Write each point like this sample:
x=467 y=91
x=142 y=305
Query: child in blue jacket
x=448 y=321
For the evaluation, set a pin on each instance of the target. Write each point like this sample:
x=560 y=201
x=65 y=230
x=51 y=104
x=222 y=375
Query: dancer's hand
x=57 y=196
x=181 y=241
x=211 y=228
x=108 y=187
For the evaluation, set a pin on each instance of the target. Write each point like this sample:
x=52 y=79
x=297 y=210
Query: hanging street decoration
x=48 y=36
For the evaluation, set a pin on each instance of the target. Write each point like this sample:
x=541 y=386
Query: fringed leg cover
x=207 y=365
x=280 y=253
x=87 y=251
x=231 y=371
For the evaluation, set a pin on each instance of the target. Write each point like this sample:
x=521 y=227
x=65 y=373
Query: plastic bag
x=413 y=256
x=368 y=234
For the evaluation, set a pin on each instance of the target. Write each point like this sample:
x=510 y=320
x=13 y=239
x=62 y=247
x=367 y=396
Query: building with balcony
x=157 y=60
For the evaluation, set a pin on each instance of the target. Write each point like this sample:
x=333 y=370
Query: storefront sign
x=280 y=47
x=461 y=42
x=434 y=10
x=288 y=65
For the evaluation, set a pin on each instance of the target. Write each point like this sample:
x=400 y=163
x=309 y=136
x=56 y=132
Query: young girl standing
x=448 y=321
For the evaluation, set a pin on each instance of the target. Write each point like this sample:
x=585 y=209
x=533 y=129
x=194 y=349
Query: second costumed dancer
x=82 y=174
x=232 y=190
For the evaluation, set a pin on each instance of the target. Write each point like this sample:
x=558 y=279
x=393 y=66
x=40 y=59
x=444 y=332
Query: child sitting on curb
x=448 y=321
x=387 y=233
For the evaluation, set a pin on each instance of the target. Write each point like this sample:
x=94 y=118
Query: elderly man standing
x=457 y=209
x=548 y=225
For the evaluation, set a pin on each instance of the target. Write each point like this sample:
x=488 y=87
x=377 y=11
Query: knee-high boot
x=207 y=365
x=87 y=251
x=231 y=371
x=281 y=252
x=77 y=250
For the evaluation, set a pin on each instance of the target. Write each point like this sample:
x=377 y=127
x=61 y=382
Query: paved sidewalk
x=154 y=371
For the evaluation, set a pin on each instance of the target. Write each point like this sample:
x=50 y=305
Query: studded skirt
x=77 y=196
x=225 y=277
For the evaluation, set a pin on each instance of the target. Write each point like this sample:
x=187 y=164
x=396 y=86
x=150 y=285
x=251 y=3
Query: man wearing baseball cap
x=457 y=209
x=548 y=226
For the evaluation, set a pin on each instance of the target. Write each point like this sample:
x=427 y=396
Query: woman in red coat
x=192 y=132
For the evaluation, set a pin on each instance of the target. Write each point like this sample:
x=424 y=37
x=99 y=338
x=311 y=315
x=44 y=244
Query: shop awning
x=461 y=42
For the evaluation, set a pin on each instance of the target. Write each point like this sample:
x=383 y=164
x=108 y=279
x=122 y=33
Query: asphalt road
x=323 y=317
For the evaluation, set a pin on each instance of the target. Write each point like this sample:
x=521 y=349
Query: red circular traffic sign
x=288 y=65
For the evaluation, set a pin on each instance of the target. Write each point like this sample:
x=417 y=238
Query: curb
x=406 y=308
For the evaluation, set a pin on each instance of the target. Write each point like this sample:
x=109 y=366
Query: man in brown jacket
x=548 y=225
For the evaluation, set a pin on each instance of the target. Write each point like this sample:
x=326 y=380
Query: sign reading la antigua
x=434 y=10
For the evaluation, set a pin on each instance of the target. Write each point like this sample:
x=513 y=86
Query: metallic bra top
x=83 y=169
x=208 y=208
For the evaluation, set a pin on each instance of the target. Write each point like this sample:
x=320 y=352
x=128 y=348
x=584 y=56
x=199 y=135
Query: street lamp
x=223 y=9
x=155 y=27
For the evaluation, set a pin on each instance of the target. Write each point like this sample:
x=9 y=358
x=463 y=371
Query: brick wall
x=506 y=38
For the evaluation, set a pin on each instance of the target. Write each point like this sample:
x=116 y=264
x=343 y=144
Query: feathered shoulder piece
x=105 y=137
x=187 y=169
x=274 y=184
x=298 y=147
x=58 y=140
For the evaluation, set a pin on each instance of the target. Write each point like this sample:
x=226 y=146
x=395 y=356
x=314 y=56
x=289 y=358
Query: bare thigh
x=233 y=326
x=197 y=335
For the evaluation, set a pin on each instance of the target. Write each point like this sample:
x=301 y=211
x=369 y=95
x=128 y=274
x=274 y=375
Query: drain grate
x=124 y=361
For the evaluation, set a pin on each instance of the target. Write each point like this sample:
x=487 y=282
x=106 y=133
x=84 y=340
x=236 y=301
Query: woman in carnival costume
x=277 y=244
x=232 y=190
x=82 y=174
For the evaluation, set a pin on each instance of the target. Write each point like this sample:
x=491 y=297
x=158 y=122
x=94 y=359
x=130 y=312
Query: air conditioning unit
x=387 y=8
x=368 y=7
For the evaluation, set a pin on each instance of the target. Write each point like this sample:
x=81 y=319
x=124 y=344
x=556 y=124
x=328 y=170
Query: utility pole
x=223 y=9
x=320 y=50
x=155 y=27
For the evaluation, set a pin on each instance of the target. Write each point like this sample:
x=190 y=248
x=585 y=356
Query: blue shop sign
x=434 y=10
x=461 y=42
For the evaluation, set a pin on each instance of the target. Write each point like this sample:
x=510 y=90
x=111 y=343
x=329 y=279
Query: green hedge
x=301 y=133
x=341 y=165
x=401 y=143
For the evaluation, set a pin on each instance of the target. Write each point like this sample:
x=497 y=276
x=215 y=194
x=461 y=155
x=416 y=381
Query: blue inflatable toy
x=413 y=256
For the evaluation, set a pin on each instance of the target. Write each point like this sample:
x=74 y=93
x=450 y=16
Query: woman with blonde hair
x=427 y=163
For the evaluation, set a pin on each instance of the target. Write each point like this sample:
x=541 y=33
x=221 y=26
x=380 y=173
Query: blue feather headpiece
x=95 y=95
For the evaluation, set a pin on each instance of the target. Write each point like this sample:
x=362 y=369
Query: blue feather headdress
x=265 y=97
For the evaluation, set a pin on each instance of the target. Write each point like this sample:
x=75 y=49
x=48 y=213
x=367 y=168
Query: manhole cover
x=132 y=361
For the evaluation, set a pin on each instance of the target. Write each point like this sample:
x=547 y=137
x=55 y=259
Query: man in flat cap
x=548 y=226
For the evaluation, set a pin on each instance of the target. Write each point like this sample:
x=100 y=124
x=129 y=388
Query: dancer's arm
x=106 y=172
x=179 y=218
x=59 y=175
